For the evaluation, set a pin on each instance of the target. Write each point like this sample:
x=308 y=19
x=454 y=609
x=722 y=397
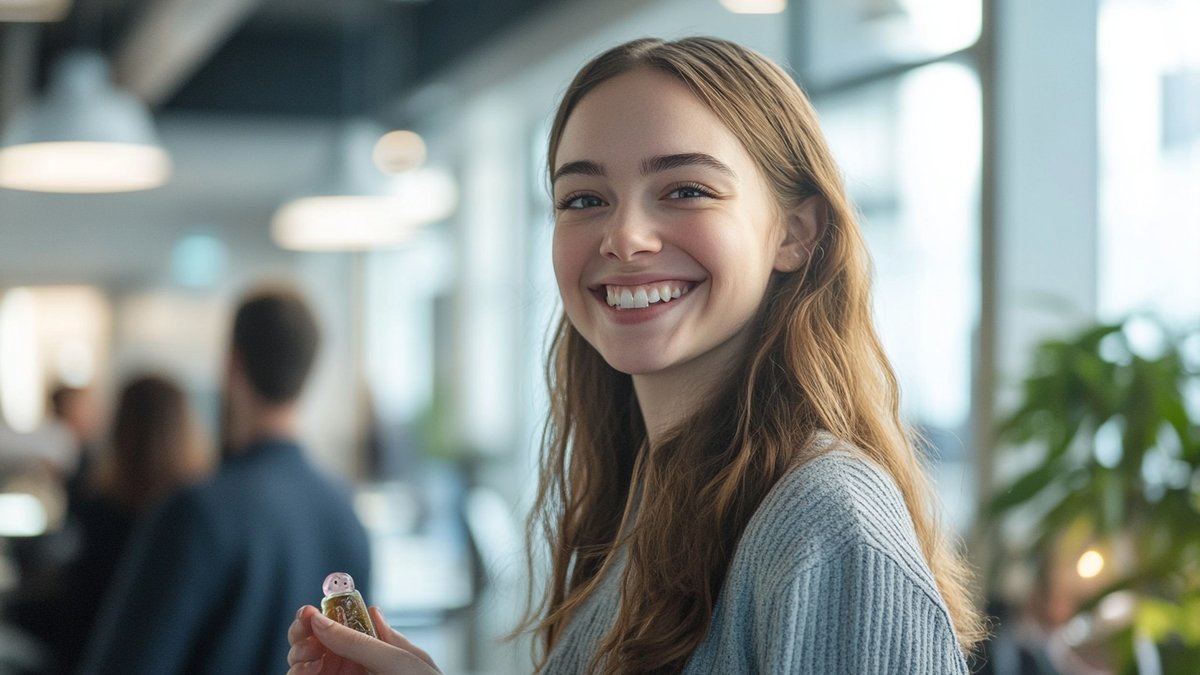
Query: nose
x=628 y=235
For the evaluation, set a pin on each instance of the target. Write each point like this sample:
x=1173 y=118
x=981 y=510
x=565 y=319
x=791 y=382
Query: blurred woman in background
x=156 y=448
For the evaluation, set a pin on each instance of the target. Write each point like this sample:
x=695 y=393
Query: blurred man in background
x=212 y=579
x=76 y=409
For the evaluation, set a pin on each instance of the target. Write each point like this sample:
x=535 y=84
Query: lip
x=641 y=280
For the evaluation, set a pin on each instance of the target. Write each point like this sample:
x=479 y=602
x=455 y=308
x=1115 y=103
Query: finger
x=303 y=646
x=391 y=636
x=306 y=668
x=305 y=651
x=300 y=629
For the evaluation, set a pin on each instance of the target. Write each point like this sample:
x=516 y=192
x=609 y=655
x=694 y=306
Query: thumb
x=374 y=655
x=390 y=636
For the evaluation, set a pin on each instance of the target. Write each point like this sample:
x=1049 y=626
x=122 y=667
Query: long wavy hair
x=818 y=365
x=156 y=447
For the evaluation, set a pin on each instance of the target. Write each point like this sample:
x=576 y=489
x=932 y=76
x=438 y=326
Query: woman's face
x=666 y=233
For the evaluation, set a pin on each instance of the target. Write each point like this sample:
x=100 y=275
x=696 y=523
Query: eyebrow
x=580 y=168
x=649 y=165
x=666 y=162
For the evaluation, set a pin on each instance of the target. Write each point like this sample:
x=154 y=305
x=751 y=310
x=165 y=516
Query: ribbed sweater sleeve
x=836 y=576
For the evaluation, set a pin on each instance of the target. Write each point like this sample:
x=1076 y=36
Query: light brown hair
x=818 y=365
x=155 y=445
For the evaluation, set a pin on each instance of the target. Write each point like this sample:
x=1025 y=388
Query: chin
x=635 y=365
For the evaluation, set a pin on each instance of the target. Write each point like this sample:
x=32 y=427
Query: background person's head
x=156 y=445
x=76 y=407
x=272 y=349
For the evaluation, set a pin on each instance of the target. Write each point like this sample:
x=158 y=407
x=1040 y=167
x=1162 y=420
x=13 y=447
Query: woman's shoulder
x=825 y=509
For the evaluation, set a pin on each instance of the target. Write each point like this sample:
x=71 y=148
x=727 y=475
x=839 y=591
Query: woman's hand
x=324 y=647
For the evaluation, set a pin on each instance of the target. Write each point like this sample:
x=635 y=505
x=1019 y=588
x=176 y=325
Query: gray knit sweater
x=828 y=579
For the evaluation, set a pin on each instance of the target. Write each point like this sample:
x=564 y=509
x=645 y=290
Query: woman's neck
x=667 y=399
x=669 y=396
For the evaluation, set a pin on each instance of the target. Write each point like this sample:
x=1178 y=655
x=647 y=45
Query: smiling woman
x=654 y=190
x=726 y=484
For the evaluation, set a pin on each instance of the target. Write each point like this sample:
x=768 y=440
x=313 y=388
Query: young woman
x=727 y=486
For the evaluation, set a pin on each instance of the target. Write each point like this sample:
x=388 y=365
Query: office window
x=1149 y=117
x=909 y=149
x=896 y=85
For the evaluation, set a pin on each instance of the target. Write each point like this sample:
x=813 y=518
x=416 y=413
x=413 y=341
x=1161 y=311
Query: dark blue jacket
x=214 y=577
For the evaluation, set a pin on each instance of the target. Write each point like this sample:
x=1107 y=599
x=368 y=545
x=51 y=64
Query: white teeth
x=639 y=297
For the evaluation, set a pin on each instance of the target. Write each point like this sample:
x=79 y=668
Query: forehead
x=645 y=113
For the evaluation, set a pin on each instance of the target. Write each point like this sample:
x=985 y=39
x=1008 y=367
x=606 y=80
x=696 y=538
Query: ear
x=235 y=371
x=803 y=224
x=233 y=363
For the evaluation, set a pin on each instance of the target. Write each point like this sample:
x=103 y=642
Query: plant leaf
x=1024 y=488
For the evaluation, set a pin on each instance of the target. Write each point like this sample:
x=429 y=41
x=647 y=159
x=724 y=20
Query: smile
x=639 y=297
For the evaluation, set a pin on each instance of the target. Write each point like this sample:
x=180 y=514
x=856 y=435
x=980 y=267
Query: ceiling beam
x=18 y=60
x=170 y=39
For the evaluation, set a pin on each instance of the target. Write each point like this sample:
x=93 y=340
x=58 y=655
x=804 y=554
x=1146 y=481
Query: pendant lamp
x=33 y=11
x=84 y=135
x=354 y=206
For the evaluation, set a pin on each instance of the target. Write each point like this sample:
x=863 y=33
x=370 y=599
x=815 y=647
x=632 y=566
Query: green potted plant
x=1108 y=426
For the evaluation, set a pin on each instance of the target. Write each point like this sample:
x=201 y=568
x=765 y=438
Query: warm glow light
x=361 y=222
x=754 y=6
x=427 y=195
x=21 y=515
x=398 y=151
x=339 y=223
x=21 y=388
x=83 y=167
x=33 y=10
x=1090 y=564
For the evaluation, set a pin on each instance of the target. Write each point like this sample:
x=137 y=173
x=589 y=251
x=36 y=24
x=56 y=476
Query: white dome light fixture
x=356 y=207
x=84 y=136
x=33 y=11
x=755 y=6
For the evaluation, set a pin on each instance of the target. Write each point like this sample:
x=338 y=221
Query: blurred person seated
x=1015 y=645
x=47 y=451
x=39 y=463
x=53 y=452
x=1035 y=631
x=211 y=580
x=77 y=410
x=155 y=450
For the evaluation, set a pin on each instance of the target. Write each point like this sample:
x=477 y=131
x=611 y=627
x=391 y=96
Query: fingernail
x=299 y=612
x=322 y=620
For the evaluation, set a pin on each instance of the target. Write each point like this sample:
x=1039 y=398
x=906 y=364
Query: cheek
x=570 y=253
